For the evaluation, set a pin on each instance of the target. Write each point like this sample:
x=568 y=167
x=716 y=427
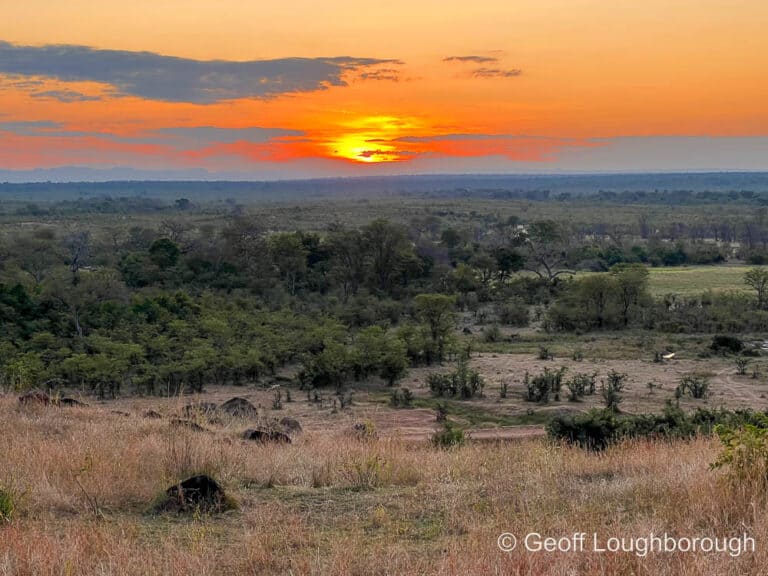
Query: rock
x=291 y=425
x=182 y=423
x=240 y=407
x=261 y=435
x=200 y=409
x=35 y=397
x=72 y=402
x=198 y=493
x=152 y=414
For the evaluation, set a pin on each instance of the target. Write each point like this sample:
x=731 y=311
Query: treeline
x=163 y=308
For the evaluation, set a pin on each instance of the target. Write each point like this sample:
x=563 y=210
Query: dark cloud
x=471 y=59
x=157 y=77
x=495 y=73
x=185 y=138
x=66 y=96
x=28 y=128
x=389 y=74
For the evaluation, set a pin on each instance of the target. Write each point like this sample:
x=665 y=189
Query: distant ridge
x=496 y=186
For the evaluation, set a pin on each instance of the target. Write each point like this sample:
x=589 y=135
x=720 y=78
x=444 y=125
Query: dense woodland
x=134 y=294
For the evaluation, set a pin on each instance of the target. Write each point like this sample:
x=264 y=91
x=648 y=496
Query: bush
x=449 y=436
x=599 y=428
x=513 y=313
x=611 y=389
x=542 y=386
x=7 y=505
x=580 y=385
x=744 y=453
x=726 y=344
x=464 y=382
x=401 y=398
x=695 y=385
x=492 y=334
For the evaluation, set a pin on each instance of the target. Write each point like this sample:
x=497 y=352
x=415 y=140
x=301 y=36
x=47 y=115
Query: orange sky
x=553 y=83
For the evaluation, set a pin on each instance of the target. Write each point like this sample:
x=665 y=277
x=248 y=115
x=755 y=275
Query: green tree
x=757 y=279
x=437 y=312
x=632 y=287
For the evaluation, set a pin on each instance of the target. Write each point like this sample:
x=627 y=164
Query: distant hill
x=748 y=185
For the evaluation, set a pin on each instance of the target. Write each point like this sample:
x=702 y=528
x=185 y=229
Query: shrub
x=741 y=365
x=726 y=344
x=545 y=354
x=580 y=385
x=449 y=436
x=7 y=505
x=744 y=453
x=464 y=382
x=542 y=386
x=611 y=389
x=599 y=428
x=492 y=334
x=401 y=398
x=695 y=385
x=513 y=313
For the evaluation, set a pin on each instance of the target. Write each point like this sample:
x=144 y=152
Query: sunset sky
x=302 y=88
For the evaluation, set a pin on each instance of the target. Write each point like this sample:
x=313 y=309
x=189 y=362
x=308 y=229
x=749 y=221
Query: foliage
x=464 y=382
x=448 y=436
x=744 y=452
x=541 y=387
x=610 y=390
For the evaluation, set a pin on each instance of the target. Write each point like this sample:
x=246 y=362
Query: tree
x=632 y=287
x=289 y=256
x=164 y=252
x=394 y=361
x=437 y=312
x=757 y=279
x=544 y=243
x=595 y=292
x=388 y=248
x=93 y=287
x=348 y=258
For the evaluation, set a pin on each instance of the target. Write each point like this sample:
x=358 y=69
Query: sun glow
x=371 y=139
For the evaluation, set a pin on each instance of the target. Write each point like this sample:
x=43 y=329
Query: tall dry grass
x=84 y=480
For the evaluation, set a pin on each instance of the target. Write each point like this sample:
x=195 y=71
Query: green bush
x=464 y=382
x=744 y=453
x=540 y=387
x=449 y=436
x=695 y=385
x=401 y=398
x=580 y=385
x=7 y=505
x=599 y=428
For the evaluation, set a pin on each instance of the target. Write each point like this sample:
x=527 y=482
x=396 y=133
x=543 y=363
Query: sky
x=246 y=89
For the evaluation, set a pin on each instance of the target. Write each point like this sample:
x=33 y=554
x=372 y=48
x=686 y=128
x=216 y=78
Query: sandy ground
x=728 y=389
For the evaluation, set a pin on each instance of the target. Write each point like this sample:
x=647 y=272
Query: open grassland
x=84 y=480
x=693 y=280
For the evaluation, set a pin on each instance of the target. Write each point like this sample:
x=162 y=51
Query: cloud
x=179 y=138
x=496 y=73
x=389 y=74
x=66 y=96
x=28 y=128
x=172 y=79
x=471 y=59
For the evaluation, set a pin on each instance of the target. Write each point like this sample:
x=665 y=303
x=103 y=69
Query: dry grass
x=84 y=480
